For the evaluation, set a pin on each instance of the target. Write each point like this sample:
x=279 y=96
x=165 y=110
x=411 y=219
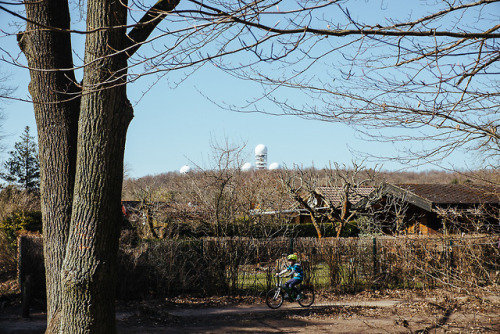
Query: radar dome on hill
x=261 y=156
x=247 y=167
x=185 y=169
x=274 y=166
x=261 y=149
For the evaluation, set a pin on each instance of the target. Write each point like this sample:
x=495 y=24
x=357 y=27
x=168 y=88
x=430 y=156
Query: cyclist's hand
x=277 y=274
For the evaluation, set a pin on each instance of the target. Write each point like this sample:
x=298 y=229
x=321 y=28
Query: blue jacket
x=296 y=271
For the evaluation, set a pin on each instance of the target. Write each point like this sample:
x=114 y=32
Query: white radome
x=185 y=169
x=247 y=167
x=274 y=166
x=260 y=149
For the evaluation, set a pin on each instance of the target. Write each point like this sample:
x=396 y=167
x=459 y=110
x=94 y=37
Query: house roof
x=428 y=196
x=172 y=210
x=334 y=194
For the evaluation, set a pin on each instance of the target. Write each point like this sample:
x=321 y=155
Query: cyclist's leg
x=293 y=283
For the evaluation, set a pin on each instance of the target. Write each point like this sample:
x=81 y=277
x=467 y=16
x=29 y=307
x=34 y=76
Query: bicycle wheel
x=307 y=297
x=274 y=298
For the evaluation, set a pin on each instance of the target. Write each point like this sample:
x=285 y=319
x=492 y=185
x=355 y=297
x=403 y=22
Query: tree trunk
x=316 y=226
x=80 y=299
x=344 y=212
x=312 y=213
x=56 y=105
x=89 y=268
x=82 y=135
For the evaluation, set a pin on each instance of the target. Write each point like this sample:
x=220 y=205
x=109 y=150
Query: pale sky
x=173 y=127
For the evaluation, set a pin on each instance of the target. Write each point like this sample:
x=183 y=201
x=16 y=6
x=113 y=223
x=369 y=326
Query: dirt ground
x=435 y=311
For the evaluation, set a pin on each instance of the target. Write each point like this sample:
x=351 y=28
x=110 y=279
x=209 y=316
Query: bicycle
x=276 y=296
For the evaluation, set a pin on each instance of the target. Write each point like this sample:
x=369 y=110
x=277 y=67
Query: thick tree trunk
x=56 y=104
x=82 y=142
x=89 y=268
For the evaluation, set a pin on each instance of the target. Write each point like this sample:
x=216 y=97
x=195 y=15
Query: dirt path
x=245 y=309
x=354 y=315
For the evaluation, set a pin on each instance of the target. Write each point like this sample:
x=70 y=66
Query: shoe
x=299 y=297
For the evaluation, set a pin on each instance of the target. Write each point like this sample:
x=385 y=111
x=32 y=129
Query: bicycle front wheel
x=307 y=298
x=274 y=298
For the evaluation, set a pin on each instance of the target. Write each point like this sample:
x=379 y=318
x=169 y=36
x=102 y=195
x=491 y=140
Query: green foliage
x=7 y=255
x=21 y=220
x=309 y=231
x=351 y=229
x=23 y=167
x=327 y=230
x=245 y=227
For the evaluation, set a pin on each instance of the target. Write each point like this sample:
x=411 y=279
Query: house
x=321 y=201
x=443 y=208
x=409 y=208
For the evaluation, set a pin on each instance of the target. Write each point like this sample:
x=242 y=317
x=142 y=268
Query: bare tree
x=386 y=214
x=82 y=124
x=302 y=185
x=478 y=219
x=351 y=186
x=425 y=78
x=217 y=189
x=151 y=201
x=6 y=93
x=334 y=199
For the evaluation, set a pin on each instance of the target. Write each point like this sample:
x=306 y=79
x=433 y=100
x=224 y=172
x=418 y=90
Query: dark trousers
x=291 y=283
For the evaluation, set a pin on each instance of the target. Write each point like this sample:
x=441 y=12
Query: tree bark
x=80 y=299
x=82 y=131
x=56 y=105
x=89 y=268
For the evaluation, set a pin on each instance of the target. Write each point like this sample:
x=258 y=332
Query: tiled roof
x=333 y=194
x=454 y=193
x=276 y=204
x=173 y=210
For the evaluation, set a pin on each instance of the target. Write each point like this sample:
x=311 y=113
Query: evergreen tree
x=23 y=166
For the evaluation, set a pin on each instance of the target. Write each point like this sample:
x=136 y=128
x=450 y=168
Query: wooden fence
x=241 y=265
x=225 y=266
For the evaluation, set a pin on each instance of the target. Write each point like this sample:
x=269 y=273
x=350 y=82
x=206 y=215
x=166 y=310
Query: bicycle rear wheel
x=307 y=297
x=274 y=298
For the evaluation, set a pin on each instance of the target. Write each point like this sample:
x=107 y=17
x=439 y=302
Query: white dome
x=185 y=169
x=246 y=167
x=260 y=149
x=274 y=165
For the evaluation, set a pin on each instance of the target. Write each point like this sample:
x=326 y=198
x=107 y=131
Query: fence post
x=26 y=297
x=452 y=261
x=24 y=278
x=375 y=271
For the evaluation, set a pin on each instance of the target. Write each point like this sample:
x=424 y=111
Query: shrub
x=7 y=256
x=327 y=230
x=21 y=220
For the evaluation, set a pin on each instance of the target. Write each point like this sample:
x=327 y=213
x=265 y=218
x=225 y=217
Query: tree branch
x=148 y=23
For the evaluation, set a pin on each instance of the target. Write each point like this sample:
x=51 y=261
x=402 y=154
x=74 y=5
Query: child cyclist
x=296 y=272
